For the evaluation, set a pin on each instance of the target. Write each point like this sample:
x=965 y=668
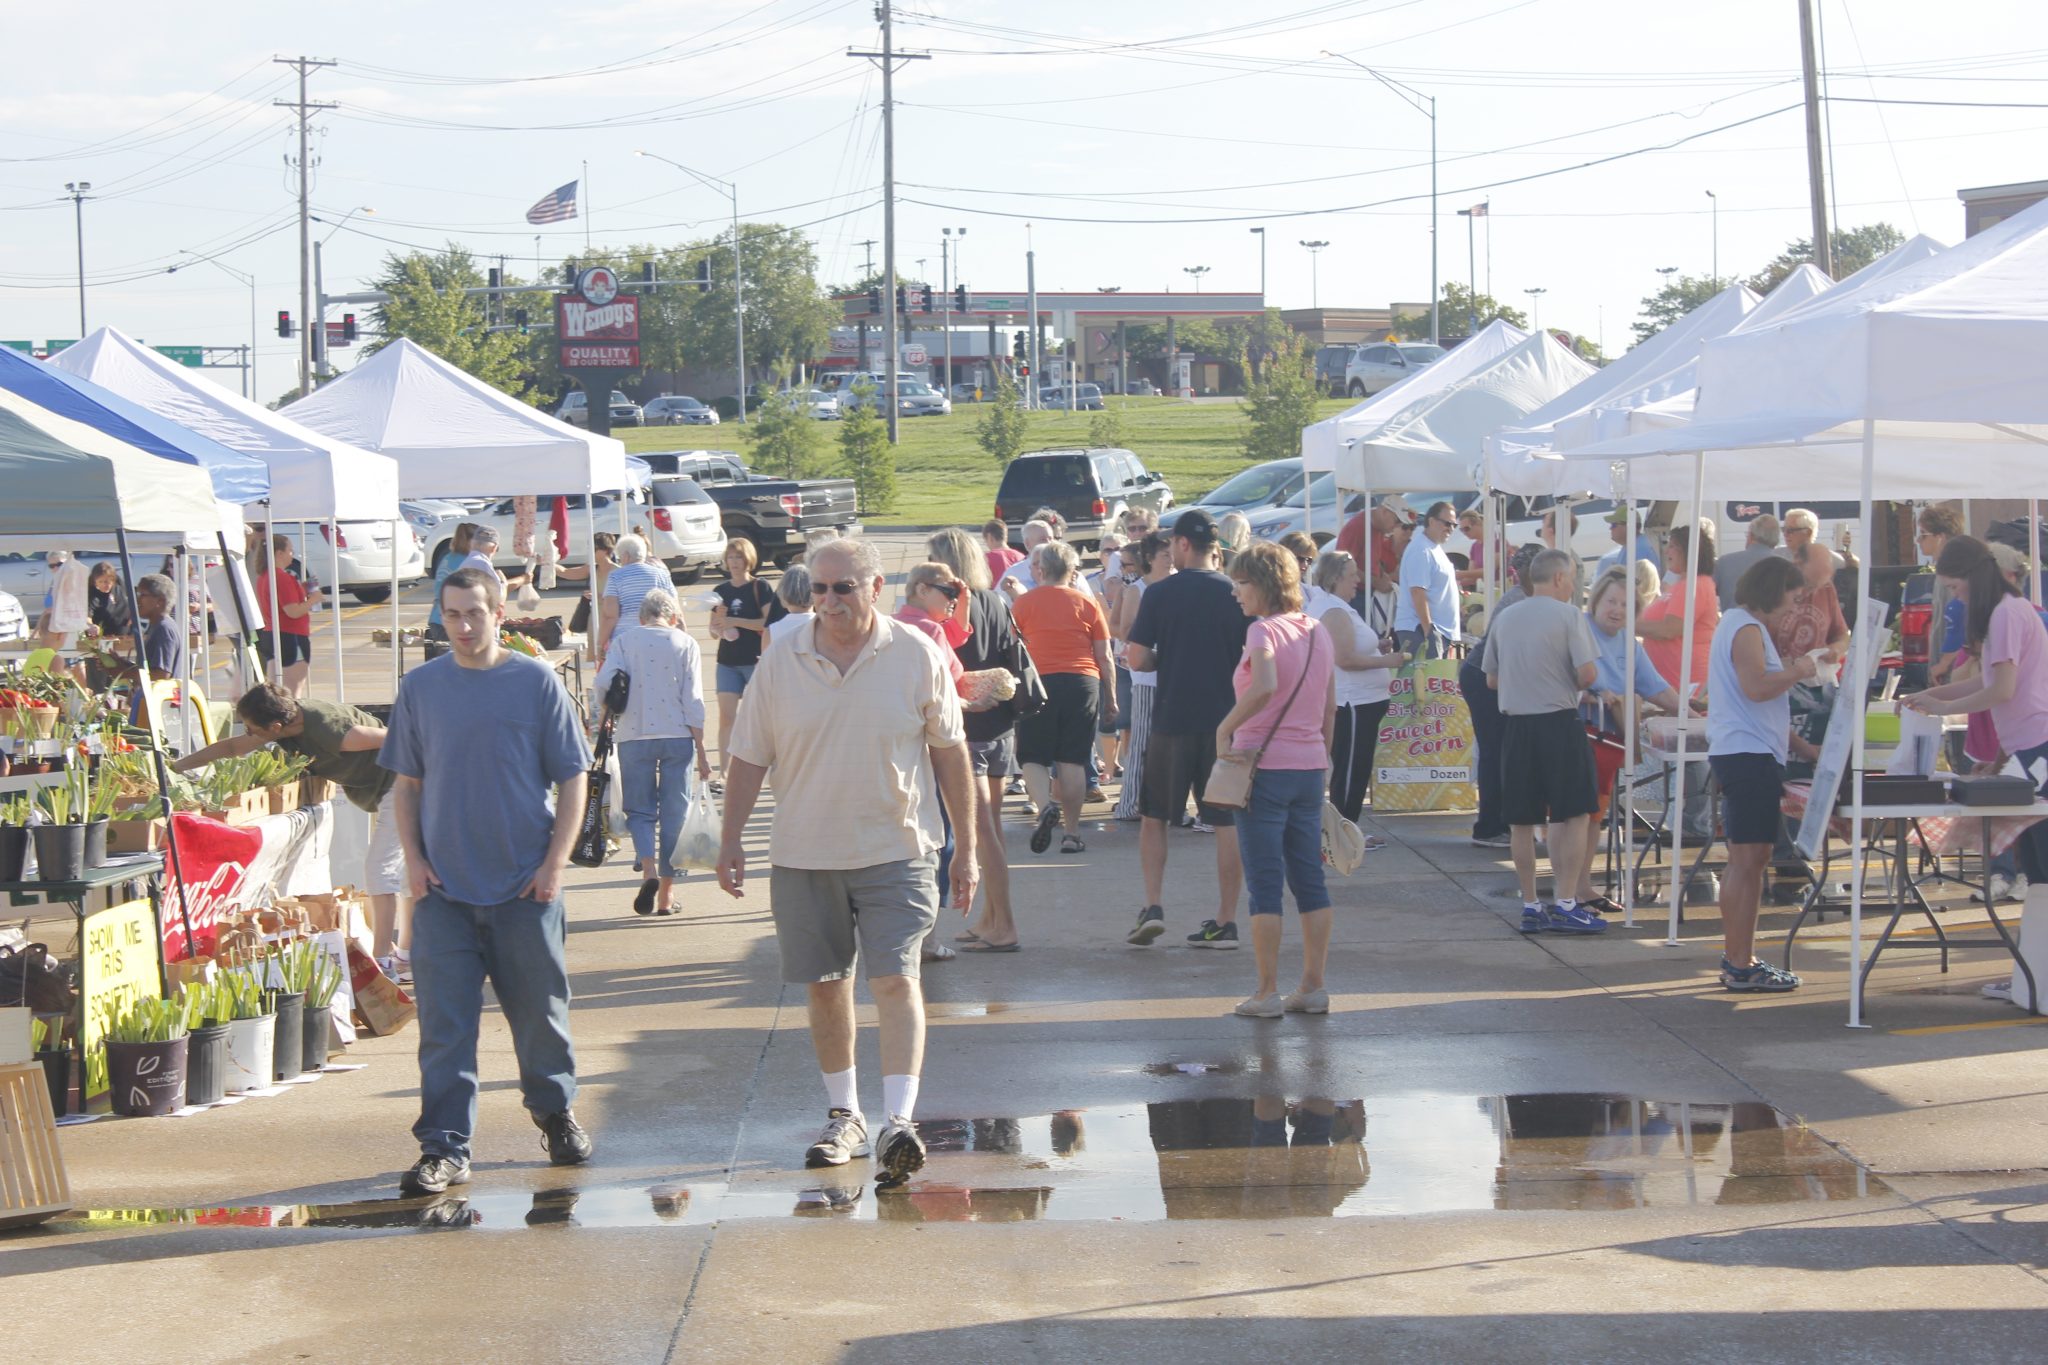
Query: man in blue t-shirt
x=1189 y=629
x=1617 y=526
x=478 y=738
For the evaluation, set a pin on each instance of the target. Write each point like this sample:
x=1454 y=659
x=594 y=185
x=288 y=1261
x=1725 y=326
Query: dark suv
x=1090 y=488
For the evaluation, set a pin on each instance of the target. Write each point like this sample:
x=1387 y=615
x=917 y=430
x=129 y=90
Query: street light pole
x=1315 y=294
x=739 y=276
x=1536 y=300
x=318 y=319
x=1415 y=100
x=1197 y=271
x=1471 y=216
x=1260 y=233
x=1667 y=271
x=1716 y=200
x=248 y=369
x=76 y=191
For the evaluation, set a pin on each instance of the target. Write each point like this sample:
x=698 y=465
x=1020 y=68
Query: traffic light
x=924 y=301
x=902 y=298
x=1017 y=345
x=875 y=300
x=348 y=327
x=519 y=315
x=497 y=278
x=1024 y=371
x=959 y=298
x=647 y=272
x=704 y=275
x=284 y=323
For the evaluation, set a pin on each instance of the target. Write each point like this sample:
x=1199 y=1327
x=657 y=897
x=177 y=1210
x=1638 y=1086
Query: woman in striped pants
x=1151 y=559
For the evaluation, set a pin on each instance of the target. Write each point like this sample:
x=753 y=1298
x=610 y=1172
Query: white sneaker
x=1997 y=990
x=2003 y=889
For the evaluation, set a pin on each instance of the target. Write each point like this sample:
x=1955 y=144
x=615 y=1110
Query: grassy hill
x=943 y=477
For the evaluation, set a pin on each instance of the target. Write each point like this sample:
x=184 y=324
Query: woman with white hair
x=794 y=593
x=1064 y=629
x=626 y=587
x=660 y=734
x=1365 y=663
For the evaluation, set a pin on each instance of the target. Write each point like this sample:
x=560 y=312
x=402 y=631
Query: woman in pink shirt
x=1286 y=712
x=1662 y=624
x=2006 y=634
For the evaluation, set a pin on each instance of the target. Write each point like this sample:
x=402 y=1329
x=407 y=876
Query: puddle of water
x=1264 y=1157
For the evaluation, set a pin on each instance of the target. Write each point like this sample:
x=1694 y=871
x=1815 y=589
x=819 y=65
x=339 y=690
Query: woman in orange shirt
x=1662 y=624
x=1064 y=629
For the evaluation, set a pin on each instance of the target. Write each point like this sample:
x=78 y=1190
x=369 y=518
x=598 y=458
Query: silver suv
x=1382 y=365
x=625 y=412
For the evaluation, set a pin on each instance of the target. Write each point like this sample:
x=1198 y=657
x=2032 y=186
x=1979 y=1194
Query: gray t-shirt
x=1729 y=569
x=488 y=747
x=1537 y=648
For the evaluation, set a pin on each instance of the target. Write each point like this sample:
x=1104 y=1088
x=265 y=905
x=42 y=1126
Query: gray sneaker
x=900 y=1153
x=1151 y=924
x=845 y=1137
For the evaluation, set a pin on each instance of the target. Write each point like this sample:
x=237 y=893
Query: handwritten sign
x=122 y=961
x=1424 y=758
x=1839 y=743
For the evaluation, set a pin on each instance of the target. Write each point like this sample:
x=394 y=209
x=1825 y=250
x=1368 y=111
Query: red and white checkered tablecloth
x=1941 y=835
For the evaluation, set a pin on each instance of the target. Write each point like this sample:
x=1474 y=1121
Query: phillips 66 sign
x=597 y=326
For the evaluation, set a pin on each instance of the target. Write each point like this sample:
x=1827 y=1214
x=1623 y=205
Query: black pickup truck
x=781 y=516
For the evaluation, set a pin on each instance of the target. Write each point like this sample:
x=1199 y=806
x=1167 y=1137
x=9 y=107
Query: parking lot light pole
x=248 y=370
x=1260 y=233
x=739 y=275
x=1315 y=293
x=1536 y=302
x=946 y=263
x=75 y=191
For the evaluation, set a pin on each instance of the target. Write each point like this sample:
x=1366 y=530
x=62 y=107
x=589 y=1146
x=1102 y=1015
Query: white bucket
x=251 y=1053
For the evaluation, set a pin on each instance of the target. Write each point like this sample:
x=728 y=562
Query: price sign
x=122 y=965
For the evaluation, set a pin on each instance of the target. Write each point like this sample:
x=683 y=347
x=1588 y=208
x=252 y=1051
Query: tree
x=1461 y=313
x=785 y=437
x=870 y=459
x=1106 y=429
x=1854 y=248
x=1674 y=301
x=428 y=307
x=1002 y=429
x=1280 y=401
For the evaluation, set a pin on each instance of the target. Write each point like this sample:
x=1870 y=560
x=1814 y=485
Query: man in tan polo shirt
x=854 y=715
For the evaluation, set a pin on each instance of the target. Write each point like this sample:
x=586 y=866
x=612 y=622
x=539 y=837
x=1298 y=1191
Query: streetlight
x=739 y=284
x=1667 y=271
x=318 y=322
x=1197 y=271
x=1415 y=99
x=948 y=261
x=1315 y=249
x=1471 y=216
x=1260 y=233
x=76 y=191
x=1717 y=237
x=1536 y=304
x=249 y=368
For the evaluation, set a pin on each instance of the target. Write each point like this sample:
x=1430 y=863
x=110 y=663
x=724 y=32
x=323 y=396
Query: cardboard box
x=135 y=836
x=284 y=798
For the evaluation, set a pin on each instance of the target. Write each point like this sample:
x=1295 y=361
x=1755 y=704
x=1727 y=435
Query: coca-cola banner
x=231 y=868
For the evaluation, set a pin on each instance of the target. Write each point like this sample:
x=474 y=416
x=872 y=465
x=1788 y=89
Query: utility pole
x=946 y=263
x=305 y=66
x=75 y=191
x=1715 y=200
x=1037 y=375
x=1816 y=182
x=869 y=245
x=888 y=57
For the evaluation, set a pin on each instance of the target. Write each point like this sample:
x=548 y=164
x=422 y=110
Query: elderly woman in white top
x=1365 y=676
x=660 y=734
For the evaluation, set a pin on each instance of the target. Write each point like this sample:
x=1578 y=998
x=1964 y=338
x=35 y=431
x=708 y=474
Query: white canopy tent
x=1322 y=442
x=313 y=478
x=454 y=435
x=1924 y=379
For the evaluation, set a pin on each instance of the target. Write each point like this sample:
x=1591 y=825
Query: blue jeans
x=655 y=777
x=1280 y=838
x=518 y=946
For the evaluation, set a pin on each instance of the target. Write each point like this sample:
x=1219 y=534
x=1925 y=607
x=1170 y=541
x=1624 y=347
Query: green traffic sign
x=25 y=347
x=53 y=346
x=194 y=356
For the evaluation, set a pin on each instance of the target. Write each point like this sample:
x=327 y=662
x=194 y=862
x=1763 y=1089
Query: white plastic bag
x=527 y=599
x=703 y=829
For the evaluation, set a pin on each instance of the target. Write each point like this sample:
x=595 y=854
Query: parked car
x=968 y=392
x=1382 y=365
x=1297 y=512
x=1330 y=363
x=780 y=516
x=1248 y=491
x=1090 y=488
x=1591 y=537
x=677 y=410
x=575 y=410
x=501 y=517
x=684 y=527
x=362 y=550
x=1141 y=388
x=1086 y=397
x=824 y=407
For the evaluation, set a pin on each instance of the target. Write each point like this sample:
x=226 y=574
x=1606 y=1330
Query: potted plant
x=14 y=836
x=60 y=841
x=252 y=1031
x=323 y=979
x=145 y=1043
x=294 y=970
x=208 y=1006
x=99 y=809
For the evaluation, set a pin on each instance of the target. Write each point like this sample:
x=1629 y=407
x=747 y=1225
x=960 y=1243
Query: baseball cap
x=1401 y=511
x=1196 y=527
x=1616 y=517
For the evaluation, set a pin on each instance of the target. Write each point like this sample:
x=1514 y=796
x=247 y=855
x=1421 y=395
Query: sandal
x=968 y=936
x=1071 y=843
x=984 y=946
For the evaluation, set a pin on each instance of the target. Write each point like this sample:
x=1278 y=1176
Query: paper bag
x=380 y=1004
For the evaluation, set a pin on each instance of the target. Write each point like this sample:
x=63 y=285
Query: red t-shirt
x=289 y=594
x=999 y=561
x=1351 y=540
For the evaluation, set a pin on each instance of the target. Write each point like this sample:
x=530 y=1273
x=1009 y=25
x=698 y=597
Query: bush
x=1106 y=429
x=1280 y=401
x=786 y=440
x=1003 y=429
x=870 y=459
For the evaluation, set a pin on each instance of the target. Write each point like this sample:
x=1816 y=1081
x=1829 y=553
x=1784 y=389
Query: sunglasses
x=845 y=587
x=951 y=591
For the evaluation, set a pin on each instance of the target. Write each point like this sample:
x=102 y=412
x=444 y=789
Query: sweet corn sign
x=121 y=966
x=1425 y=754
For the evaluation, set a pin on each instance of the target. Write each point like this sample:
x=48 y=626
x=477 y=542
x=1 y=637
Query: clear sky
x=454 y=117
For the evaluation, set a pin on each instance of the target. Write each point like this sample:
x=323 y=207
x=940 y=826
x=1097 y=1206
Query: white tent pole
x=1858 y=677
x=334 y=606
x=2033 y=550
x=623 y=527
x=183 y=617
x=1692 y=590
x=1631 y=528
x=396 y=626
x=590 y=549
x=271 y=670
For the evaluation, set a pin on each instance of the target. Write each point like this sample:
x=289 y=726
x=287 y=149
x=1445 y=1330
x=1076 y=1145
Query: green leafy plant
x=38 y=1033
x=144 y=1021
x=248 y=997
x=327 y=977
x=55 y=802
x=1003 y=429
x=15 y=810
x=297 y=963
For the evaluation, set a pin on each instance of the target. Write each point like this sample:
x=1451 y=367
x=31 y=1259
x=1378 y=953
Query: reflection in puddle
x=1264 y=1157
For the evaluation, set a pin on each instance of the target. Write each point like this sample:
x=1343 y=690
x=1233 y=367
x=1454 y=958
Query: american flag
x=1477 y=210
x=556 y=206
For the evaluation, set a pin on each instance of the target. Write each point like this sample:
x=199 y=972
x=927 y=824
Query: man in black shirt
x=1191 y=630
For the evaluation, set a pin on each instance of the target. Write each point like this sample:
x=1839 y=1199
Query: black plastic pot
x=206 y=1064
x=13 y=852
x=318 y=1018
x=289 y=1049
x=57 y=1074
x=146 y=1080
x=60 y=852
x=95 y=843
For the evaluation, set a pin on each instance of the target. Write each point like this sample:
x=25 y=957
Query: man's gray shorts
x=994 y=757
x=825 y=920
